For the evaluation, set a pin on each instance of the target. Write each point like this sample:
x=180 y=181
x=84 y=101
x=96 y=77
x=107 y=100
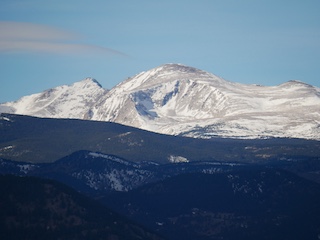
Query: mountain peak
x=179 y=67
x=170 y=72
x=66 y=101
x=180 y=100
x=296 y=83
x=88 y=82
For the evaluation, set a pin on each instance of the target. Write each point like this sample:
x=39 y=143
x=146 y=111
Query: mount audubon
x=179 y=100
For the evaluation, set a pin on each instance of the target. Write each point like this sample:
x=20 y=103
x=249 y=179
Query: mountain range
x=235 y=161
x=186 y=200
x=176 y=99
x=178 y=187
x=176 y=201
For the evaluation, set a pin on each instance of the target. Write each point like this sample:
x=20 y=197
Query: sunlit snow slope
x=65 y=101
x=181 y=100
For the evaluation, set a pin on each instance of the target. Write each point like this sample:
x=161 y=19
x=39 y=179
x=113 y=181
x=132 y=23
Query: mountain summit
x=65 y=101
x=181 y=100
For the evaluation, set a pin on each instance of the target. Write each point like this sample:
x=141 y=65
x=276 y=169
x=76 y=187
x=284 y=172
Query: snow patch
x=6 y=119
x=177 y=159
x=25 y=168
x=6 y=148
x=113 y=158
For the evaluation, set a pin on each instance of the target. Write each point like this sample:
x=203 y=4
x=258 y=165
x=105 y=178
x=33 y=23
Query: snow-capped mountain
x=176 y=99
x=181 y=100
x=65 y=101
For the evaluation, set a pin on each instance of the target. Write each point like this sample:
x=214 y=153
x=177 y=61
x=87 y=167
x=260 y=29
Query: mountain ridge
x=66 y=101
x=33 y=139
x=180 y=100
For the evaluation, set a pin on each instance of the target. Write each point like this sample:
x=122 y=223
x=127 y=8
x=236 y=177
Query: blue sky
x=44 y=44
